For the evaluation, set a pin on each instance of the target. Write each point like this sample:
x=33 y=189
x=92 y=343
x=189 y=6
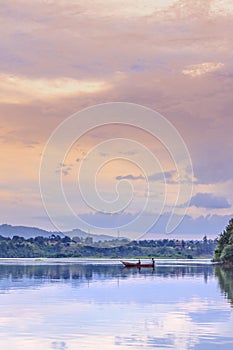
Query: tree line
x=56 y=246
x=224 y=249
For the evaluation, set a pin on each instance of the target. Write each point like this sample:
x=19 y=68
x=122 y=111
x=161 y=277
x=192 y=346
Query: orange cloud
x=71 y=55
x=21 y=89
x=202 y=68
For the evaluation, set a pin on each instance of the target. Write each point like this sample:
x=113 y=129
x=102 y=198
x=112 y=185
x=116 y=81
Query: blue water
x=89 y=304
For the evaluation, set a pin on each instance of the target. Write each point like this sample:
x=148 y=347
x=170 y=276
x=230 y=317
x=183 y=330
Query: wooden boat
x=138 y=265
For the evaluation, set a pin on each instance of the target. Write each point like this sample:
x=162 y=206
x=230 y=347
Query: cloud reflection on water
x=79 y=307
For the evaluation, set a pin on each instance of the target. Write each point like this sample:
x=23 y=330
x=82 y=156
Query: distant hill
x=27 y=232
x=23 y=231
x=95 y=237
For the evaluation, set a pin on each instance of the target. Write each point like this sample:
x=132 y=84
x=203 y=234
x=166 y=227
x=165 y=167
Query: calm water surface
x=55 y=304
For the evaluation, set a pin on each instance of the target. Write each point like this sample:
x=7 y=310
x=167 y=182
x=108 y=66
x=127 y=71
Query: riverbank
x=97 y=261
x=57 y=247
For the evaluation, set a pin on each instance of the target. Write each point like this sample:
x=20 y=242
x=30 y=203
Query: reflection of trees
x=57 y=272
x=225 y=280
x=89 y=272
x=184 y=270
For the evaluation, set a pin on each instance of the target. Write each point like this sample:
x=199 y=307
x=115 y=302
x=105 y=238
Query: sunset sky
x=175 y=57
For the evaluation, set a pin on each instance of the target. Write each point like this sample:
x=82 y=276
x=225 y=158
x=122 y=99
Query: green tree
x=227 y=254
x=224 y=250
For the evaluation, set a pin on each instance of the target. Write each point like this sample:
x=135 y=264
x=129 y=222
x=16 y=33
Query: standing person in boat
x=153 y=262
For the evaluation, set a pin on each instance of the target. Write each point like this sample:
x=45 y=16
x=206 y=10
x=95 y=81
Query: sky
x=173 y=57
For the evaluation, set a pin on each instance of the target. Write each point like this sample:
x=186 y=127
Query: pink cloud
x=139 y=53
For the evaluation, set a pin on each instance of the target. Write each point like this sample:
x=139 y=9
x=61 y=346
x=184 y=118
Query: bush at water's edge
x=224 y=250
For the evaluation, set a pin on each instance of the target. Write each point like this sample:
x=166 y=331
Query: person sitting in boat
x=139 y=262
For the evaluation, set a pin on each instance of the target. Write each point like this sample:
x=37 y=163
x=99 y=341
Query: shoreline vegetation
x=223 y=253
x=66 y=247
x=220 y=250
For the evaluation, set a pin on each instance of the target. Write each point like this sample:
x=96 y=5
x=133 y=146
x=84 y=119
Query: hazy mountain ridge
x=83 y=234
x=27 y=232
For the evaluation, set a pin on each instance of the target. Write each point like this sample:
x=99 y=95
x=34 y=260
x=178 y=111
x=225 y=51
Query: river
x=96 y=304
